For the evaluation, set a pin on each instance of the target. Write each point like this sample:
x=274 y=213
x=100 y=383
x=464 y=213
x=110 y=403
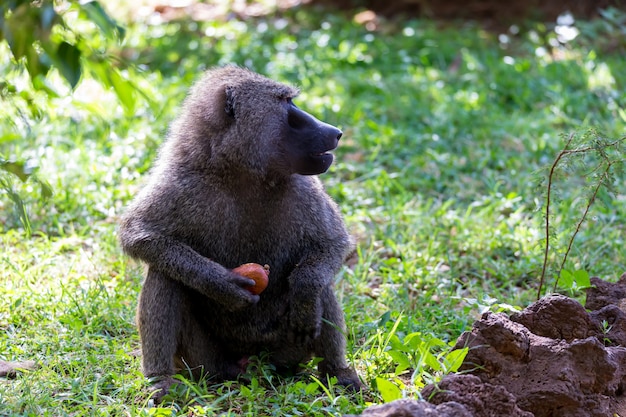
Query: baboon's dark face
x=307 y=141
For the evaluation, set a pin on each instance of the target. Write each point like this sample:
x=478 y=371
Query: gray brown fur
x=227 y=189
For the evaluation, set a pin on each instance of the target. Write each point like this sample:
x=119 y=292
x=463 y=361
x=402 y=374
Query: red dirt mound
x=553 y=359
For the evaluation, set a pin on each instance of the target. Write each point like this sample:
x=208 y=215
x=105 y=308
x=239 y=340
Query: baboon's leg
x=173 y=338
x=159 y=318
x=331 y=344
x=202 y=355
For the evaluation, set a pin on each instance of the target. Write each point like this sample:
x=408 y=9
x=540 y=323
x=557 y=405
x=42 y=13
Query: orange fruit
x=260 y=275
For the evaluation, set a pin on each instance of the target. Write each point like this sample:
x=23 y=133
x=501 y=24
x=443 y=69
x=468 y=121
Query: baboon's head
x=253 y=123
x=307 y=141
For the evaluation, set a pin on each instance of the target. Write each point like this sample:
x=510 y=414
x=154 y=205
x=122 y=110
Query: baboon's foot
x=346 y=377
x=161 y=387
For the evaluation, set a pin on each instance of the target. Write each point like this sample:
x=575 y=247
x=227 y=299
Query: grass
x=448 y=131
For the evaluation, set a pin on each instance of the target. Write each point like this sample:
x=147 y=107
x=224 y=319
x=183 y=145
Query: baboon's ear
x=229 y=105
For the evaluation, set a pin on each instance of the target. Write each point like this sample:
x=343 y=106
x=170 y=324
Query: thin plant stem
x=564 y=152
x=582 y=220
x=547 y=223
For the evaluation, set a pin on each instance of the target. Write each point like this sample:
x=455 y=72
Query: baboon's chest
x=262 y=233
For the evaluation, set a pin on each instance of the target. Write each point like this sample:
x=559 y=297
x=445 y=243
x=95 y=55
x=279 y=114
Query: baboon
x=235 y=182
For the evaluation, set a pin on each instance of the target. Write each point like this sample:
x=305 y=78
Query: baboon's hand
x=236 y=296
x=239 y=280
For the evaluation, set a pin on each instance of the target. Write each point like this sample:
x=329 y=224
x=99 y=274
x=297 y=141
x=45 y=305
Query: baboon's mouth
x=322 y=156
x=326 y=152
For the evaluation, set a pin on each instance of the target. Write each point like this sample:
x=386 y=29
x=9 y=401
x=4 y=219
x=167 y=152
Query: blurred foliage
x=41 y=36
x=71 y=37
x=23 y=172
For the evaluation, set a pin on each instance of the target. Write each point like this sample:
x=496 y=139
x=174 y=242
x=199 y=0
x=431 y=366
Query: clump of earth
x=556 y=358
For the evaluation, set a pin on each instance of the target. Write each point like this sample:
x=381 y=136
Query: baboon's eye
x=290 y=102
x=295 y=119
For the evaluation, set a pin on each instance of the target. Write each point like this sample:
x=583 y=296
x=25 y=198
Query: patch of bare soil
x=492 y=12
x=12 y=369
x=556 y=358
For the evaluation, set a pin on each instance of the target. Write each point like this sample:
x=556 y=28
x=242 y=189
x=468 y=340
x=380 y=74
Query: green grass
x=448 y=131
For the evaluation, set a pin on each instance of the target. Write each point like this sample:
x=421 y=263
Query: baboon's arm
x=178 y=261
x=312 y=275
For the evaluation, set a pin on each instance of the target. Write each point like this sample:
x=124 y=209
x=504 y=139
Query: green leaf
x=43 y=84
x=413 y=341
x=27 y=27
x=20 y=207
x=25 y=170
x=45 y=189
x=68 y=62
x=99 y=16
x=454 y=359
x=245 y=391
x=311 y=388
x=566 y=279
x=388 y=390
x=397 y=344
x=581 y=277
x=18 y=31
x=384 y=319
x=161 y=412
x=432 y=361
x=124 y=90
x=401 y=359
x=6 y=137
x=17 y=168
